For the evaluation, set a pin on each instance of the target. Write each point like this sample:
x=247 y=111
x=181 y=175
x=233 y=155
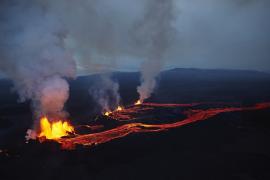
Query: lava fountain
x=54 y=130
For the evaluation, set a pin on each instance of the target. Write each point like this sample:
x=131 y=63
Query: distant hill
x=179 y=79
x=173 y=86
x=217 y=73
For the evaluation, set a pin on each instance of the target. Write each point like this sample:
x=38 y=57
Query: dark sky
x=229 y=34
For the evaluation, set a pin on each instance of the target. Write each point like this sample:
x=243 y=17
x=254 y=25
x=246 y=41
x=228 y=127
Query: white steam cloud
x=43 y=43
x=33 y=56
x=154 y=32
x=105 y=93
x=42 y=40
x=53 y=93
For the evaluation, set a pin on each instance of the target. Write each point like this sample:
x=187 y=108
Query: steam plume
x=40 y=41
x=105 y=93
x=154 y=33
x=92 y=39
x=33 y=56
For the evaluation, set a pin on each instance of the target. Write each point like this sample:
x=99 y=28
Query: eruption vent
x=34 y=56
x=118 y=109
x=54 y=130
x=138 y=102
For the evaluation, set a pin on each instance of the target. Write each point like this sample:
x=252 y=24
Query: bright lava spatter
x=54 y=130
x=127 y=122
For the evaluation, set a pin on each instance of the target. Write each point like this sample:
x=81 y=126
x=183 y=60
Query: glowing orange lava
x=193 y=113
x=138 y=102
x=119 y=108
x=107 y=113
x=192 y=116
x=54 y=130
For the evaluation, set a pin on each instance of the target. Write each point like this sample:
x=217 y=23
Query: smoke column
x=105 y=93
x=98 y=35
x=154 y=32
x=92 y=39
x=33 y=56
x=42 y=41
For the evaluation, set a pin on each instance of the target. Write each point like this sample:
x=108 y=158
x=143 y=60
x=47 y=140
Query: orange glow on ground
x=124 y=129
x=119 y=108
x=107 y=113
x=138 y=102
x=128 y=124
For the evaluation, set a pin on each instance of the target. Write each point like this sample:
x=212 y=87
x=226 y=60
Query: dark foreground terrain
x=228 y=146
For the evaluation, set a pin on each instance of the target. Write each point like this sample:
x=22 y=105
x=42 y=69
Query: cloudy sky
x=227 y=34
x=231 y=34
x=223 y=34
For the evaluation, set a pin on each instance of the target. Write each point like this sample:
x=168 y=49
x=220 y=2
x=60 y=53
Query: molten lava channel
x=59 y=129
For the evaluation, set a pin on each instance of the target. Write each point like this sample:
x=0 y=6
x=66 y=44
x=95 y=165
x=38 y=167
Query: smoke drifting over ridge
x=44 y=42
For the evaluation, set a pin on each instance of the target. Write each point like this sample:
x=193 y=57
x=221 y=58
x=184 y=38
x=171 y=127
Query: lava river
x=129 y=121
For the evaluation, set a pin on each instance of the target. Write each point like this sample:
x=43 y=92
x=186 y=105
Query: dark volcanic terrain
x=232 y=145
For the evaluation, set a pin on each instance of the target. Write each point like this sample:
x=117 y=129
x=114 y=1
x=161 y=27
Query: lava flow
x=108 y=113
x=54 y=130
x=191 y=113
